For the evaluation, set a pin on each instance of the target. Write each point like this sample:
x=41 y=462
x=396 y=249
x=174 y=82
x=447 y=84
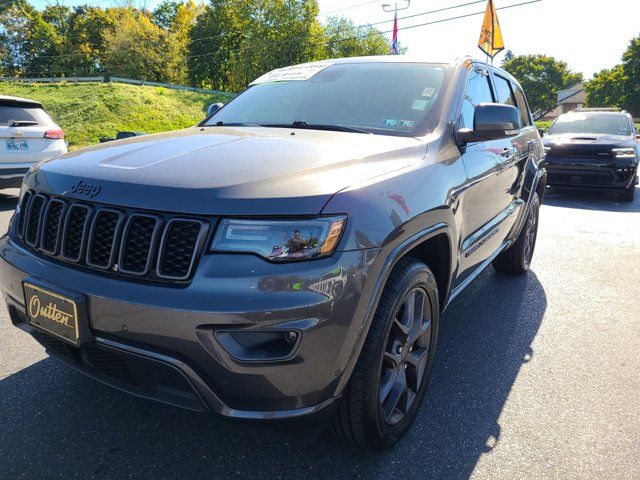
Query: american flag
x=394 y=41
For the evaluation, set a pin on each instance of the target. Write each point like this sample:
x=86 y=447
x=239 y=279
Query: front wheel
x=517 y=258
x=391 y=376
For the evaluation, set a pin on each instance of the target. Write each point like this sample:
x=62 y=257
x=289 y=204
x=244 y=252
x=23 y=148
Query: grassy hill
x=88 y=111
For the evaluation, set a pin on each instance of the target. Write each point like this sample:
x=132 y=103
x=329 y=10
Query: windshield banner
x=295 y=73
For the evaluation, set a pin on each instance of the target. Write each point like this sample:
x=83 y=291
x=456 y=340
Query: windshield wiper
x=317 y=126
x=24 y=123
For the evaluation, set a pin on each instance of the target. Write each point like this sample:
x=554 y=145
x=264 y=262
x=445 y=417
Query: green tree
x=342 y=38
x=141 y=50
x=619 y=86
x=631 y=72
x=30 y=44
x=165 y=13
x=606 y=89
x=235 y=41
x=214 y=38
x=279 y=33
x=541 y=77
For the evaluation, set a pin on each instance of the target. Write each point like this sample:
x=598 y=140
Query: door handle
x=508 y=152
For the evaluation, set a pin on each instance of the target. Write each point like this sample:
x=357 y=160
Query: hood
x=226 y=171
x=588 y=139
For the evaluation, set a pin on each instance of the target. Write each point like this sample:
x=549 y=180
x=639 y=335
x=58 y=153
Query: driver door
x=483 y=198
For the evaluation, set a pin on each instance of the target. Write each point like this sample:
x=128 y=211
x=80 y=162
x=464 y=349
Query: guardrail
x=104 y=79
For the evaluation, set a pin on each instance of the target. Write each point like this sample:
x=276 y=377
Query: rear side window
x=477 y=91
x=22 y=113
x=503 y=91
x=525 y=115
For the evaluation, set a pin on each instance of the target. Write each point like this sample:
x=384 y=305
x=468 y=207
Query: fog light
x=259 y=346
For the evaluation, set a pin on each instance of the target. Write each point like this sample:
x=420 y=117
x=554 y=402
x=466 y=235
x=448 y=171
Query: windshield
x=12 y=113
x=384 y=98
x=596 y=124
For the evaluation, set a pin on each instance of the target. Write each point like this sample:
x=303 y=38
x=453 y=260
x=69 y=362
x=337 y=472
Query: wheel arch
x=435 y=252
x=420 y=246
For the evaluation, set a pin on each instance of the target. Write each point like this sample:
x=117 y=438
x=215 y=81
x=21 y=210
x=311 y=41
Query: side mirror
x=213 y=108
x=541 y=132
x=492 y=121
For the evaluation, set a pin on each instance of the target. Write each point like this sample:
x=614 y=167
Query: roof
x=304 y=71
x=5 y=98
x=574 y=94
x=390 y=59
x=601 y=113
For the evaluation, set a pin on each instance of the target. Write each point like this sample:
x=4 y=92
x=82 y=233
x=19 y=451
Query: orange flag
x=491 y=41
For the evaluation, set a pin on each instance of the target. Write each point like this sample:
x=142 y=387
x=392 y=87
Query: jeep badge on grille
x=88 y=189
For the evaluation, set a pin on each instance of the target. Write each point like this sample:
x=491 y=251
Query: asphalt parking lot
x=535 y=377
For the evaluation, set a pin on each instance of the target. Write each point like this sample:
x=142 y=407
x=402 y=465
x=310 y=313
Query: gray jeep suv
x=288 y=258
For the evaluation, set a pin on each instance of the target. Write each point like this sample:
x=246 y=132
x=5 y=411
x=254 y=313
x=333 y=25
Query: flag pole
x=387 y=8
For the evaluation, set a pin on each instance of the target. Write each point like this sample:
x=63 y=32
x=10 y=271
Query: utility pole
x=387 y=8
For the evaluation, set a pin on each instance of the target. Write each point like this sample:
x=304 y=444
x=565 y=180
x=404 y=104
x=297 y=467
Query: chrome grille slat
x=150 y=246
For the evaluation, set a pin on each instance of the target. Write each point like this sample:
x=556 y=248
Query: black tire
x=516 y=259
x=628 y=193
x=363 y=416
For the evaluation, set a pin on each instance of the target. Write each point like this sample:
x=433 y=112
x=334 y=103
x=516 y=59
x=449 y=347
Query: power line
x=355 y=27
x=463 y=16
x=341 y=40
x=429 y=12
x=377 y=32
x=342 y=9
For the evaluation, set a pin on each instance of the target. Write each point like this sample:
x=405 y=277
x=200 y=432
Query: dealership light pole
x=387 y=8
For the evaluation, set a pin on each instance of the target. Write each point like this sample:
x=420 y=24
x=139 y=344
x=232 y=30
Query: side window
x=503 y=91
x=478 y=91
x=525 y=115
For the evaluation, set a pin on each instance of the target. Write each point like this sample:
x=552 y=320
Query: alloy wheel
x=405 y=357
x=530 y=234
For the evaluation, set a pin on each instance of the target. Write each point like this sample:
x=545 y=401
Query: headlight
x=624 y=153
x=280 y=241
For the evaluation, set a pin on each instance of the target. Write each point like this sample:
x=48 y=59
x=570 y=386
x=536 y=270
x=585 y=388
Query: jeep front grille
x=153 y=246
x=141 y=233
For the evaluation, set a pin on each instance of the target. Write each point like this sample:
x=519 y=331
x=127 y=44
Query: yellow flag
x=490 y=35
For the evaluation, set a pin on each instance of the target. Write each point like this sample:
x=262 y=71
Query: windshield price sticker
x=298 y=73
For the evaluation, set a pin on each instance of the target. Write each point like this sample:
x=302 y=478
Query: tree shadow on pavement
x=57 y=423
x=593 y=199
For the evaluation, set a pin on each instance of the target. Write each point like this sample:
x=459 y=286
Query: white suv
x=27 y=136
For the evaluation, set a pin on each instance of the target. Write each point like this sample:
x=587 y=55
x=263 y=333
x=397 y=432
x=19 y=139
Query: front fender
x=382 y=265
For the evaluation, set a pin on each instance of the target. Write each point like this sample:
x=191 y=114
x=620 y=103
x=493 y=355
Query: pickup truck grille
x=153 y=246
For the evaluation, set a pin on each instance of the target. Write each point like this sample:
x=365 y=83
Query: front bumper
x=580 y=172
x=158 y=341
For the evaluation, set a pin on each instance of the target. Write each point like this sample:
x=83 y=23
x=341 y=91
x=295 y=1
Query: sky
x=587 y=34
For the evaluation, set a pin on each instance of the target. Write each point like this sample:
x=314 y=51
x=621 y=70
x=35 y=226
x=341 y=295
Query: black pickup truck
x=289 y=258
x=594 y=149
